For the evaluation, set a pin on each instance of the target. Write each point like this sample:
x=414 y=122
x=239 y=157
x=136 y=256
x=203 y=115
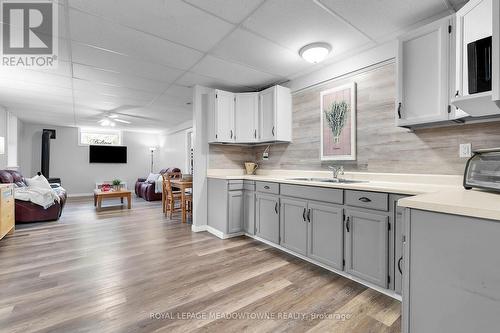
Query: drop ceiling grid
x=191 y=61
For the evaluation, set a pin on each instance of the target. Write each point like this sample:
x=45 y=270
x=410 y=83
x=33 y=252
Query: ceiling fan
x=110 y=119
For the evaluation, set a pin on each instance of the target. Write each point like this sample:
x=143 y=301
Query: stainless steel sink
x=329 y=180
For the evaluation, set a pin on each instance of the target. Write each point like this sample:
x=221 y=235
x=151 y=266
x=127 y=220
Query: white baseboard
x=198 y=228
x=80 y=195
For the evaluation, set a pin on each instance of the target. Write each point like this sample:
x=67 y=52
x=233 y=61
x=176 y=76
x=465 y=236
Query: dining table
x=183 y=185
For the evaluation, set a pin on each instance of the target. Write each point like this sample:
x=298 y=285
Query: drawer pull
x=309 y=215
x=276 y=207
x=364 y=199
x=267 y=187
x=347 y=225
x=304 y=214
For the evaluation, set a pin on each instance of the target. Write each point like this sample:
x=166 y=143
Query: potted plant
x=336 y=117
x=117 y=184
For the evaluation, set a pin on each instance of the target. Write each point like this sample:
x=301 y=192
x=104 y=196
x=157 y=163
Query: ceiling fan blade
x=113 y=116
x=122 y=121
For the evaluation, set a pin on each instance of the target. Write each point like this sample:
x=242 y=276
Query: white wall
x=70 y=161
x=3 y=133
x=175 y=151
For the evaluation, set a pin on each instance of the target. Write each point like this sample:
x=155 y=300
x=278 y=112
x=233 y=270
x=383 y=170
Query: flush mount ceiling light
x=315 y=52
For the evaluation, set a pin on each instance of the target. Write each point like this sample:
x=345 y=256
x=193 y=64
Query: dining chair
x=171 y=196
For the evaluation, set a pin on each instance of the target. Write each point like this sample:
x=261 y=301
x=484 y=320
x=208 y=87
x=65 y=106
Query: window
x=98 y=137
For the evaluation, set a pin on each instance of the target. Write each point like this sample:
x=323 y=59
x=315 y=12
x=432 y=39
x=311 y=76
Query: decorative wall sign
x=338 y=123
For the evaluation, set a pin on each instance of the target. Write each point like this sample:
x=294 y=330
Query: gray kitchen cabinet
x=235 y=211
x=249 y=212
x=294 y=225
x=451 y=273
x=325 y=234
x=367 y=246
x=225 y=205
x=268 y=222
x=398 y=244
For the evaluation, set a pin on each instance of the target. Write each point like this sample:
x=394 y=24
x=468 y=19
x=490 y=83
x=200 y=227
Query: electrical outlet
x=265 y=156
x=465 y=150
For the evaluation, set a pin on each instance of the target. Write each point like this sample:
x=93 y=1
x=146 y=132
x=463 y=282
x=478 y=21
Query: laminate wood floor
x=134 y=270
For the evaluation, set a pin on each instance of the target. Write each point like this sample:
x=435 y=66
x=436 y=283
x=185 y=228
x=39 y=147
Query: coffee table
x=99 y=195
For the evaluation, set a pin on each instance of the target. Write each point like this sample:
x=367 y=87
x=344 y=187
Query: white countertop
x=373 y=186
x=437 y=193
x=474 y=203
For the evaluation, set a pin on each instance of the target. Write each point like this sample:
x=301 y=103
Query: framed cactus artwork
x=338 y=123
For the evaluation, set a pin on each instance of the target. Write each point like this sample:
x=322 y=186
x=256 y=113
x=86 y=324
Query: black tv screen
x=108 y=154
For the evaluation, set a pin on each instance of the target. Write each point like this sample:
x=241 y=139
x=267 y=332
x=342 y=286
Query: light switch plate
x=465 y=150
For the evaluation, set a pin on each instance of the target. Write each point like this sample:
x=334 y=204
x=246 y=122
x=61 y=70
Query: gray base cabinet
x=225 y=205
x=235 y=221
x=293 y=225
x=249 y=212
x=367 y=246
x=451 y=273
x=267 y=213
x=325 y=234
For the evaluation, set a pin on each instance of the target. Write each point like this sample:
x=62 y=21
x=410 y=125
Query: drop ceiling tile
x=112 y=91
x=20 y=76
x=96 y=32
x=173 y=20
x=101 y=102
x=189 y=79
x=186 y=93
x=232 y=10
x=245 y=47
x=228 y=71
x=294 y=24
x=117 y=79
x=91 y=56
x=383 y=17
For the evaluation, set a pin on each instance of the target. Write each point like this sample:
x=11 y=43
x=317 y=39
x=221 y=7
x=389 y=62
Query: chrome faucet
x=337 y=170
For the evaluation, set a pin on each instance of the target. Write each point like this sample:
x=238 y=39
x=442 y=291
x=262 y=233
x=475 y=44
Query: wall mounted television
x=107 y=154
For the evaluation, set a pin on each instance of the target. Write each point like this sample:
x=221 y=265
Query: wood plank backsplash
x=381 y=146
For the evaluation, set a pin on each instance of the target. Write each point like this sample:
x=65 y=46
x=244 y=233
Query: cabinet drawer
x=370 y=200
x=234 y=185
x=331 y=195
x=268 y=187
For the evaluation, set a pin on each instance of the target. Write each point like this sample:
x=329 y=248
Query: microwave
x=479 y=65
x=483 y=170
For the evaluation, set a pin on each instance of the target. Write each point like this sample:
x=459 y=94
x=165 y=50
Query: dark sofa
x=146 y=190
x=26 y=211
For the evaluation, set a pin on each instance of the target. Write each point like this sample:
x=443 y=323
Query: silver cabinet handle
x=399 y=265
x=276 y=207
x=309 y=215
x=399 y=111
x=304 y=214
x=347 y=225
x=231 y=134
x=364 y=199
x=255 y=134
x=272 y=130
x=267 y=187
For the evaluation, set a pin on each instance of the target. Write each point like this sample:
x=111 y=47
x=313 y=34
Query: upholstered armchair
x=146 y=190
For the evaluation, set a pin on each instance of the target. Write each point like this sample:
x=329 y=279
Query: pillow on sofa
x=152 y=178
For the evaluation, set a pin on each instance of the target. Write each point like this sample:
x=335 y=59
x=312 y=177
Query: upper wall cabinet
x=475 y=58
x=424 y=73
x=243 y=118
x=221 y=117
x=247 y=117
x=275 y=114
x=496 y=52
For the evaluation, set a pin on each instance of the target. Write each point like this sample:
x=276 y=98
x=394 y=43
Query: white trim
x=352 y=155
x=198 y=228
x=222 y=235
x=80 y=195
